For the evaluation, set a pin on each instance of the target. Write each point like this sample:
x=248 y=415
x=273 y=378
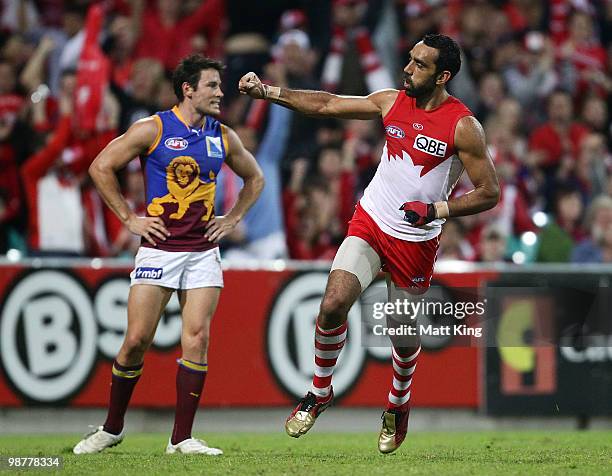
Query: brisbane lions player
x=431 y=137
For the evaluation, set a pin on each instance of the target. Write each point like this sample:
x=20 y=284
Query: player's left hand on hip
x=218 y=227
x=418 y=213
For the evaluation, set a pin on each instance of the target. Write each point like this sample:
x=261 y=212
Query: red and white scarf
x=376 y=75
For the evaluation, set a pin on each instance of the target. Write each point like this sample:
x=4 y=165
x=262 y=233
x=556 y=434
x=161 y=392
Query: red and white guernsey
x=418 y=163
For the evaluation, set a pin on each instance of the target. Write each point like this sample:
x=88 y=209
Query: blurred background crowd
x=74 y=74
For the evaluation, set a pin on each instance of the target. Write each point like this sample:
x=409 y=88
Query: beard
x=424 y=90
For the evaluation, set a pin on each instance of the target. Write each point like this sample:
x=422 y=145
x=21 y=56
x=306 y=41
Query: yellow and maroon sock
x=190 y=378
x=123 y=382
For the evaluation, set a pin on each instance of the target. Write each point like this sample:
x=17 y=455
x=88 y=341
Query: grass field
x=486 y=453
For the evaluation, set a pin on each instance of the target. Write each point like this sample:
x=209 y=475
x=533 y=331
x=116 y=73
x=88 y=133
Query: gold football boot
x=393 y=431
x=304 y=415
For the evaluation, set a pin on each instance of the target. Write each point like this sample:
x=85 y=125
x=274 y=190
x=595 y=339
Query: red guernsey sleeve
x=37 y=167
x=39 y=164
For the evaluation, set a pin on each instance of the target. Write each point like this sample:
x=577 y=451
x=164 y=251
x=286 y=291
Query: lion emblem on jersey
x=184 y=187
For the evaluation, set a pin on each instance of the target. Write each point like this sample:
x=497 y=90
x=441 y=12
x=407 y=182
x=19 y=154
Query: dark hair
x=449 y=54
x=564 y=190
x=188 y=71
x=69 y=71
x=74 y=8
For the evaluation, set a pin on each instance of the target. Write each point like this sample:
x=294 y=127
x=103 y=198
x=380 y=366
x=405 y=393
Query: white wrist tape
x=272 y=92
x=441 y=209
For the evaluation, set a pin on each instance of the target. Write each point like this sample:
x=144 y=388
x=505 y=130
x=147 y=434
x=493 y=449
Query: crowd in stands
x=76 y=73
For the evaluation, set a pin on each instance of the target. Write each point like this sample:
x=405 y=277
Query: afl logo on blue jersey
x=395 y=132
x=176 y=143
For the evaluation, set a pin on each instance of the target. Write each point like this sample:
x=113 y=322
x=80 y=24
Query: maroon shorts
x=410 y=263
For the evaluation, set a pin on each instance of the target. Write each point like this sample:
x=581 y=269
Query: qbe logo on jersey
x=430 y=146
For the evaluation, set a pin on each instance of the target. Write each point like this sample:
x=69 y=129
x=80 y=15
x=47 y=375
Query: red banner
x=60 y=329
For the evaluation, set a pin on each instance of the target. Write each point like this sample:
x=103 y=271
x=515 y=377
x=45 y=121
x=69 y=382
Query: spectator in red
x=554 y=146
x=507 y=145
x=594 y=163
x=560 y=136
x=120 y=47
x=336 y=168
x=309 y=215
x=10 y=194
x=64 y=218
x=583 y=51
x=352 y=65
x=167 y=34
x=363 y=147
x=10 y=106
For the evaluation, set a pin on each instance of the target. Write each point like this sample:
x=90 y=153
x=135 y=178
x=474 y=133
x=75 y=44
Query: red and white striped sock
x=328 y=344
x=403 y=369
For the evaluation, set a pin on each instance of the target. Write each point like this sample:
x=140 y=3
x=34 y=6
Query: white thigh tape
x=357 y=257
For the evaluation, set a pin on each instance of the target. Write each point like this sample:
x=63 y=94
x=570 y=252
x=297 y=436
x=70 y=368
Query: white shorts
x=178 y=269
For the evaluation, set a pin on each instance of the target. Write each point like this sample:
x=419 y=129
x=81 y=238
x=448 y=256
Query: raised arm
x=103 y=171
x=472 y=151
x=242 y=162
x=321 y=103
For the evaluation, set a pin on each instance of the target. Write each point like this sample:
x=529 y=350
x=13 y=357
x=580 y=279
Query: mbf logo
x=430 y=146
x=176 y=143
x=149 y=273
x=395 y=132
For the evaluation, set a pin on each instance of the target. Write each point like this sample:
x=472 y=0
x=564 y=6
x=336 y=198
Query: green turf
x=457 y=453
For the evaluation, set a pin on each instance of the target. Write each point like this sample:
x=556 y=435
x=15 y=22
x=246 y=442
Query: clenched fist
x=251 y=84
x=418 y=213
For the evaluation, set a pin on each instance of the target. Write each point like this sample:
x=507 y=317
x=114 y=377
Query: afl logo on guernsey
x=395 y=132
x=176 y=143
